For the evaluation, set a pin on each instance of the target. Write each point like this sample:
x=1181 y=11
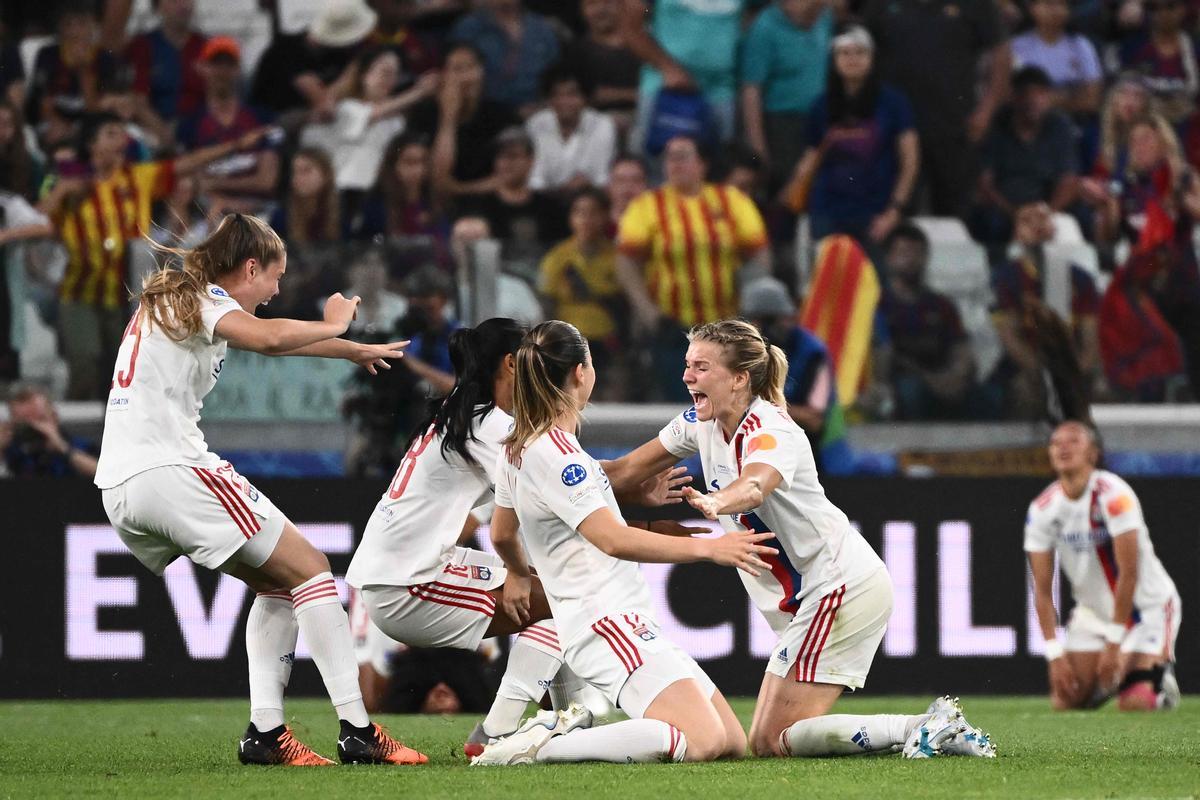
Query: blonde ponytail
x=545 y=360
x=744 y=349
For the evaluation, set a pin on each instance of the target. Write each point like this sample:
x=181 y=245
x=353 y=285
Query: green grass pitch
x=186 y=748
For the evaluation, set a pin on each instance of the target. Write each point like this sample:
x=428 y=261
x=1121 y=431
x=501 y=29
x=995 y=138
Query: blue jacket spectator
x=517 y=47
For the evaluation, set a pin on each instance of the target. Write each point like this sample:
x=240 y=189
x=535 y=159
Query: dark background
x=32 y=607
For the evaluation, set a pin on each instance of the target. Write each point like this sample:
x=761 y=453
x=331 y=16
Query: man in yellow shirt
x=681 y=248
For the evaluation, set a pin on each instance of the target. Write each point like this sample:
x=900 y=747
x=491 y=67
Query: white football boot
x=945 y=722
x=1168 y=696
x=971 y=742
x=522 y=747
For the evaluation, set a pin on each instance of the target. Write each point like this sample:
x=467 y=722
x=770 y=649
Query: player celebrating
x=167 y=495
x=827 y=594
x=584 y=554
x=1122 y=631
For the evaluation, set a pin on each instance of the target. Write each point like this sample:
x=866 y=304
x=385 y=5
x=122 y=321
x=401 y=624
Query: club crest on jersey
x=643 y=632
x=690 y=414
x=573 y=475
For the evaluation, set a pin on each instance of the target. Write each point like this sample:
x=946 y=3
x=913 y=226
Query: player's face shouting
x=709 y=381
x=264 y=284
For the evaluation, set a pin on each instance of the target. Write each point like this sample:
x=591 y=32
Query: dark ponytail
x=476 y=353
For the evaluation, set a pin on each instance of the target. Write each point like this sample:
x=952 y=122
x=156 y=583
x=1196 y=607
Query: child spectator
x=573 y=145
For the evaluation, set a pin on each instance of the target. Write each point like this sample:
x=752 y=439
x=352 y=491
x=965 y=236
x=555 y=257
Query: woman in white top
x=167 y=495
x=826 y=594
x=585 y=556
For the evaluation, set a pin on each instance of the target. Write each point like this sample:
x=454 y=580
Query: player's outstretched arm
x=373 y=357
x=274 y=337
x=747 y=493
x=638 y=477
x=610 y=536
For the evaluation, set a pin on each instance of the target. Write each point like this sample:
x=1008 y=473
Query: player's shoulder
x=215 y=295
x=557 y=456
x=1045 y=501
x=766 y=416
x=495 y=424
x=1110 y=483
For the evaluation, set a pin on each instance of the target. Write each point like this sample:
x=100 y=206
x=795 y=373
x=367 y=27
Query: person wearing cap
x=862 y=157
x=517 y=47
x=313 y=69
x=1030 y=156
x=165 y=61
x=811 y=388
x=245 y=180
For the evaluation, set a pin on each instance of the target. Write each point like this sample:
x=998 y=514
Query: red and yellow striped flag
x=840 y=309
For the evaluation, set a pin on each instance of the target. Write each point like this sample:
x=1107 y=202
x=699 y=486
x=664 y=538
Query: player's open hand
x=341 y=311
x=706 y=504
x=374 y=356
x=515 y=597
x=741 y=550
x=1108 y=671
x=1063 y=681
x=665 y=488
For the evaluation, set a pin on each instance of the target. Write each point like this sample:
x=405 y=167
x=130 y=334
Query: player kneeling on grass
x=827 y=595
x=168 y=496
x=585 y=556
x=1122 y=631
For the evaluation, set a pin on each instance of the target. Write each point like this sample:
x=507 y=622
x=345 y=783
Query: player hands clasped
x=585 y=556
x=167 y=495
x=827 y=595
x=1122 y=630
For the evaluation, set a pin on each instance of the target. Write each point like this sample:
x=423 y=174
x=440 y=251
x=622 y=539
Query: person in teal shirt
x=783 y=63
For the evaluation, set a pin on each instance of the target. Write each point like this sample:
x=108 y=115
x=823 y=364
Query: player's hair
x=476 y=354
x=743 y=349
x=170 y=297
x=545 y=360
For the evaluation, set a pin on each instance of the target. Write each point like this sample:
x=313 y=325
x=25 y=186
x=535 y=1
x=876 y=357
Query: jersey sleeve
x=681 y=436
x=504 y=476
x=1122 y=511
x=486 y=447
x=215 y=304
x=572 y=487
x=779 y=447
x=1038 y=536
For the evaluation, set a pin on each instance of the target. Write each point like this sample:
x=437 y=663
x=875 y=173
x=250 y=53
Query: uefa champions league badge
x=690 y=414
x=217 y=291
x=573 y=475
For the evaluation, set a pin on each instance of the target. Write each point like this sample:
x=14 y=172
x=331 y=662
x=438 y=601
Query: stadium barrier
x=81 y=618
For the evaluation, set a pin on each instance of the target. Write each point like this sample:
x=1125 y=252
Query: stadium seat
x=959 y=269
x=1067 y=230
x=943 y=229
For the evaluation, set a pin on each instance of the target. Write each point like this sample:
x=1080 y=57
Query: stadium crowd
x=646 y=166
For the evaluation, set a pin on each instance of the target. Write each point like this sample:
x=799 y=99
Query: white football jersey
x=416 y=524
x=1082 y=530
x=554 y=487
x=158 y=388
x=819 y=551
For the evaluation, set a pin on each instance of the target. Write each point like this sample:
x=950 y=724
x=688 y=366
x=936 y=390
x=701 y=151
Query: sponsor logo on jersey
x=573 y=475
x=217 y=291
x=762 y=442
x=724 y=469
x=1119 y=505
x=676 y=428
x=288 y=658
x=782 y=655
x=690 y=415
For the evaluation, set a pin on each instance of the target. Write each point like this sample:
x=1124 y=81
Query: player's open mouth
x=699 y=400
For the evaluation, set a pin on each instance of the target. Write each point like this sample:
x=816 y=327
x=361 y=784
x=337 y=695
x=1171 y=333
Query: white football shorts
x=1153 y=634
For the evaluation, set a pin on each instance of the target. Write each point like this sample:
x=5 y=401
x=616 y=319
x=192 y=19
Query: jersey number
x=407 y=465
x=124 y=377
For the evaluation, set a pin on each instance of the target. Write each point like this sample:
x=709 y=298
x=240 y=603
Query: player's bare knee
x=735 y=743
x=765 y=745
x=704 y=745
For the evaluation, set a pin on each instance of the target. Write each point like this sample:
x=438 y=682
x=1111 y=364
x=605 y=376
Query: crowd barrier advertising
x=81 y=617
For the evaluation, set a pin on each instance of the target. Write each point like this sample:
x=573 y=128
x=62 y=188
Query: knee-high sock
x=848 y=734
x=565 y=688
x=326 y=629
x=639 y=741
x=533 y=661
x=270 y=649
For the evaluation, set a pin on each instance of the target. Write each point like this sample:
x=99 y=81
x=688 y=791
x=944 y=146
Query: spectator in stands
x=922 y=366
x=93 y=293
x=783 y=74
x=314 y=69
x=1029 y=157
x=462 y=124
x=1068 y=58
x=247 y=179
x=395 y=30
x=627 y=178
x=603 y=55
x=517 y=47
x=579 y=282
x=1021 y=283
x=19 y=170
x=811 y=388
x=688 y=47
x=310 y=211
x=69 y=75
x=180 y=220
x=1128 y=101
x=573 y=145
x=380 y=310
x=527 y=221
x=403 y=203
x=148 y=133
x=33 y=442
x=12 y=71
x=1164 y=54
x=932 y=50
x=862 y=153
x=165 y=59
x=683 y=248
x=367 y=120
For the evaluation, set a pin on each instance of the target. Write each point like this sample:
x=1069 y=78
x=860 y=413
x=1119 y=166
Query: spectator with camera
x=34 y=443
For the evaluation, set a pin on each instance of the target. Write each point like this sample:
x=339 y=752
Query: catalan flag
x=840 y=309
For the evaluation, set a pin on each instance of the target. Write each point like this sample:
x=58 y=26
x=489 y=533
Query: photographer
x=35 y=445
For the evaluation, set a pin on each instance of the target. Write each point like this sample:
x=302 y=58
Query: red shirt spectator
x=165 y=60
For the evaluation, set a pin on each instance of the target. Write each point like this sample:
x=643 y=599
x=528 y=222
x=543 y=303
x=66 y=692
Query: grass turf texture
x=188 y=748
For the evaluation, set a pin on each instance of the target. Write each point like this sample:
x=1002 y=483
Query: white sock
x=270 y=649
x=533 y=660
x=849 y=734
x=326 y=629
x=565 y=688
x=638 y=741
